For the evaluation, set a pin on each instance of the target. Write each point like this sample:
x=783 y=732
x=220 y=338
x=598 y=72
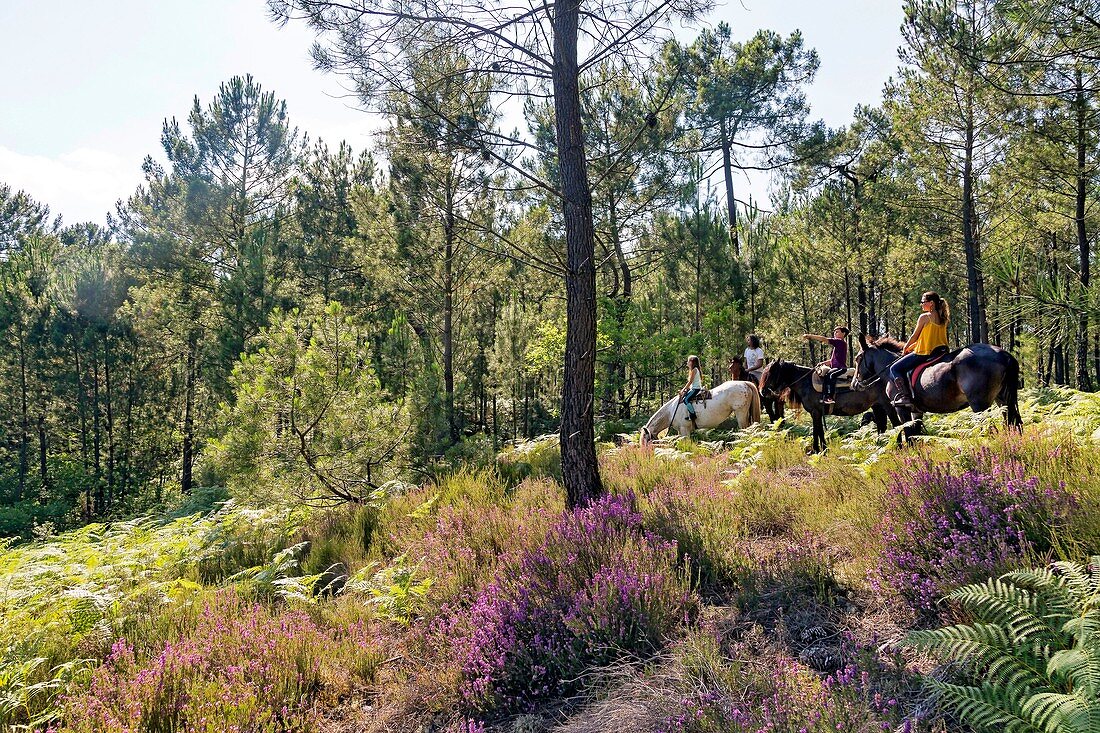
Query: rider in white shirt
x=754 y=357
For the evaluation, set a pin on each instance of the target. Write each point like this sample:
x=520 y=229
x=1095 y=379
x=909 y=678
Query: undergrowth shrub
x=942 y=528
x=239 y=666
x=742 y=690
x=598 y=587
x=1056 y=457
x=467 y=544
x=696 y=516
x=640 y=470
x=344 y=535
x=785 y=572
x=536 y=458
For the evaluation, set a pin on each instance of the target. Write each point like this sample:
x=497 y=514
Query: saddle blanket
x=843 y=382
x=914 y=376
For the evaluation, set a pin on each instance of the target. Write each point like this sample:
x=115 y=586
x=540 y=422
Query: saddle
x=914 y=376
x=703 y=396
x=842 y=382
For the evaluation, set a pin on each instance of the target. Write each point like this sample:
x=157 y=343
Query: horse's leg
x=742 y=416
x=904 y=416
x=880 y=418
x=819 y=432
x=916 y=428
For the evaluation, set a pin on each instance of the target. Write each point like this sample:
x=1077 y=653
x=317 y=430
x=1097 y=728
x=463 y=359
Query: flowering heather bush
x=241 y=668
x=598 y=587
x=944 y=529
x=789 y=700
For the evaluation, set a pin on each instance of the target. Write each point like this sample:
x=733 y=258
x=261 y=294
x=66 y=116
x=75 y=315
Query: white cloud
x=80 y=185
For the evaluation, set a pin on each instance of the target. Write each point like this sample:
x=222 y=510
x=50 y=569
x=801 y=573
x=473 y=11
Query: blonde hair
x=941 y=311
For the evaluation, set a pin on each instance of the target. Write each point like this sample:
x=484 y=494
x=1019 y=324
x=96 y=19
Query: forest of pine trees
x=291 y=316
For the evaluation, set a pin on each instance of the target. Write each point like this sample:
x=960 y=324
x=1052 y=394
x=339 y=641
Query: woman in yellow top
x=929 y=339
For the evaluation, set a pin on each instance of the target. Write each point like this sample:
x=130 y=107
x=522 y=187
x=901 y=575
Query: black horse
x=976 y=376
x=773 y=406
x=797 y=381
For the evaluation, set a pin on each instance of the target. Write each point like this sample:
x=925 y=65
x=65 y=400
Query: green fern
x=1032 y=656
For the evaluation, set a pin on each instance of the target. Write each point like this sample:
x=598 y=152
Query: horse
x=976 y=376
x=797 y=381
x=738 y=373
x=741 y=399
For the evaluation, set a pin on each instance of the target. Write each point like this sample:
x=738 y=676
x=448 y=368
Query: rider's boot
x=828 y=397
x=903 y=398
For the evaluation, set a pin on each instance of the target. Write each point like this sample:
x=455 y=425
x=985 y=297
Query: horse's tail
x=1010 y=392
x=754 y=405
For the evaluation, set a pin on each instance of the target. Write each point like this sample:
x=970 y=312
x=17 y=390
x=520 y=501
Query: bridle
x=860 y=385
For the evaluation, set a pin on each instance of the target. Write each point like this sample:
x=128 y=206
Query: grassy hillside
x=727 y=584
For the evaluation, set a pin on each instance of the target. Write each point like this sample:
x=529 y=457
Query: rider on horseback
x=694 y=385
x=838 y=362
x=929 y=339
x=754 y=357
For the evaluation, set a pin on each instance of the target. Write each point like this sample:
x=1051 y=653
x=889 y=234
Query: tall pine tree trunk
x=448 y=312
x=978 y=329
x=731 y=201
x=580 y=471
x=1081 y=377
x=187 y=457
x=24 y=428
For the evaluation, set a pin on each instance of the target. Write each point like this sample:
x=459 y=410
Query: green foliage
x=397 y=592
x=310 y=418
x=532 y=458
x=1031 y=658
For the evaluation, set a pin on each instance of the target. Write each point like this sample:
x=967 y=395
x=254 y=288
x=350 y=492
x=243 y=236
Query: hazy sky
x=87 y=85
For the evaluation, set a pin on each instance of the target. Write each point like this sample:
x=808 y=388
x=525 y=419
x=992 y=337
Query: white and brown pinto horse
x=740 y=399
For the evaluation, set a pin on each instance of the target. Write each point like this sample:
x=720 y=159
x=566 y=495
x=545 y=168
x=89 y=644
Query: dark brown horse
x=976 y=376
x=773 y=406
x=797 y=382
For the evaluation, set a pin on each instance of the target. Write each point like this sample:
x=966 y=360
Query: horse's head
x=647 y=437
x=874 y=359
x=769 y=378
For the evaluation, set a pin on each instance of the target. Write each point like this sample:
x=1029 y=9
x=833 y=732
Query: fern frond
x=1003 y=603
x=1077 y=578
x=1085 y=628
x=1052 y=712
x=1080 y=666
x=989 y=706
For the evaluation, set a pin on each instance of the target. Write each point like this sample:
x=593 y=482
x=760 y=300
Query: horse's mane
x=888 y=343
x=785 y=368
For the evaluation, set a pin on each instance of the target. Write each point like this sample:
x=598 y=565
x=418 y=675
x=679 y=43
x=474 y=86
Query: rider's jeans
x=905 y=364
x=689 y=397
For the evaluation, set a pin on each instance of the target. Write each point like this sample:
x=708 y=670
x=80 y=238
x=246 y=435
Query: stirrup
x=903 y=398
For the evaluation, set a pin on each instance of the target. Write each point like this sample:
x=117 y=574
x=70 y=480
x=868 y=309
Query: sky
x=88 y=85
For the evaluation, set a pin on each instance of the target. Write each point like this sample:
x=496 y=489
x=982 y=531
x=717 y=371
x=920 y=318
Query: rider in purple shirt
x=838 y=362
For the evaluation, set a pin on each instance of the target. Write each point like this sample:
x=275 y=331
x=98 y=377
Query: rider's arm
x=921 y=320
x=815 y=337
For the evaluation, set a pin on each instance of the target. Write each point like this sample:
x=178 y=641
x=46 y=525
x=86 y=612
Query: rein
x=877 y=375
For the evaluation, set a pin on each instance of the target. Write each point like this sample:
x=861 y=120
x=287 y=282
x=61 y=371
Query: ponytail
x=939 y=307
